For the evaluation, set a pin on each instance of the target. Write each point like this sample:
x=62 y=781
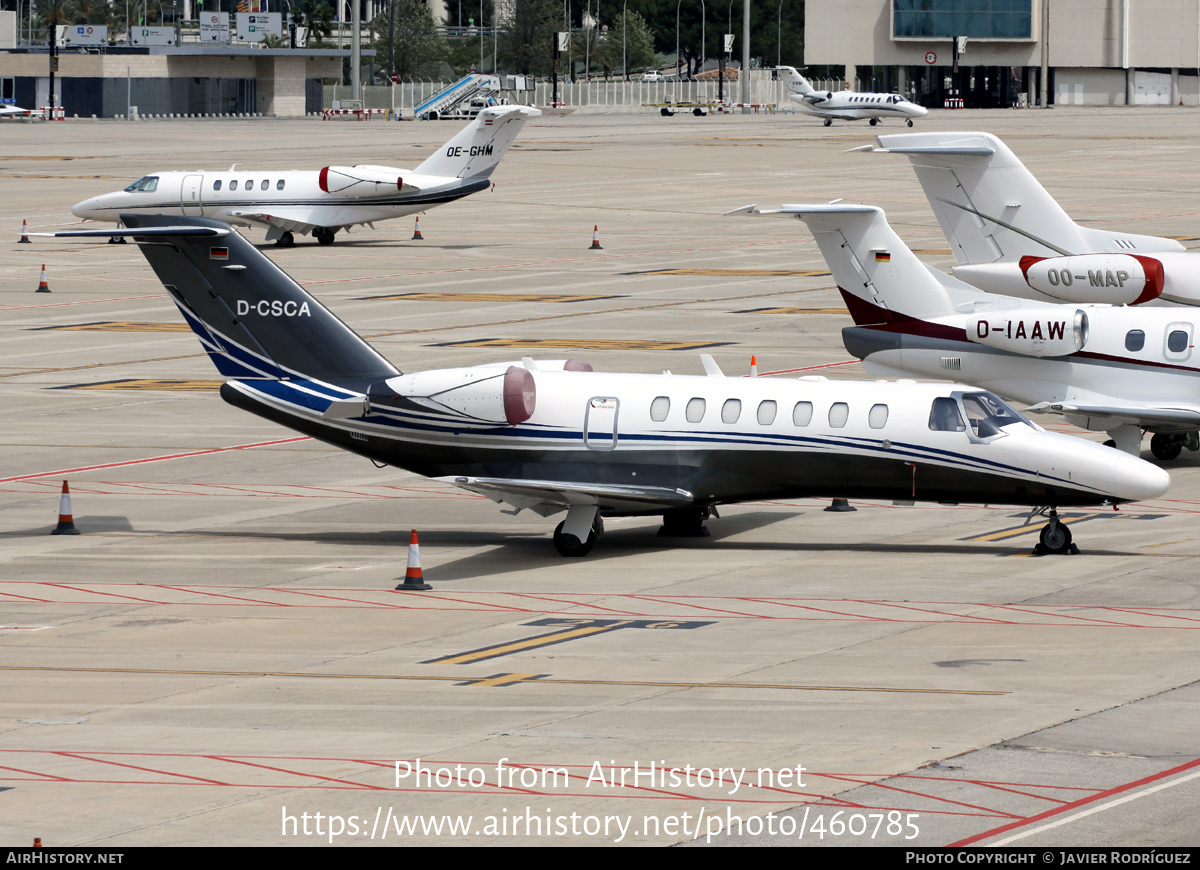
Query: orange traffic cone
x=754 y=366
x=43 y=286
x=24 y=240
x=596 y=239
x=66 y=523
x=414 y=580
x=417 y=237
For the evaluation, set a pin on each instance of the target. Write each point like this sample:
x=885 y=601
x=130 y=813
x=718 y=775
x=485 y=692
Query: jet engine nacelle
x=491 y=393
x=1106 y=279
x=359 y=180
x=1030 y=332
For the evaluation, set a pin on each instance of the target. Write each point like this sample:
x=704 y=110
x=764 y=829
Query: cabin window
x=265 y=185
x=944 y=416
x=731 y=410
x=766 y=412
x=1135 y=340
x=839 y=413
x=233 y=185
x=694 y=411
x=802 y=414
x=216 y=185
x=877 y=418
x=1177 y=341
x=279 y=184
x=659 y=409
x=987 y=414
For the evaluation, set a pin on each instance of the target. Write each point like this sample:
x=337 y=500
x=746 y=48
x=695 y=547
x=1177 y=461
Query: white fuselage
x=233 y=196
x=855 y=106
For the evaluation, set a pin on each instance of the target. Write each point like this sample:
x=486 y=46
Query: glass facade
x=978 y=19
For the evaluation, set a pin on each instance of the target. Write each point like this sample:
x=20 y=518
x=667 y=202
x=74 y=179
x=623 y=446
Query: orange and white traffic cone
x=596 y=239
x=66 y=523
x=43 y=285
x=24 y=240
x=417 y=237
x=414 y=580
x=753 y=366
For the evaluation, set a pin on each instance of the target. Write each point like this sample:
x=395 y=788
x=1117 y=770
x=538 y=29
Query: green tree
x=526 y=44
x=417 y=48
x=317 y=16
x=618 y=49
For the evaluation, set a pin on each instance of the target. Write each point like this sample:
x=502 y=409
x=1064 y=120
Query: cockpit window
x=144 y=184
x=987 y=414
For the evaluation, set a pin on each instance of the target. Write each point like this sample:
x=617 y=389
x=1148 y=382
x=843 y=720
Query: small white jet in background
x=847 y=105
x=322 y=202
x=1108 y=368
x=1010 y=236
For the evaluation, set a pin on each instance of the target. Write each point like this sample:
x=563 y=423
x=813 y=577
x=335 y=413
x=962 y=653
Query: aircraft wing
x=1139 y=415
x=294 y=220
x=546 y=497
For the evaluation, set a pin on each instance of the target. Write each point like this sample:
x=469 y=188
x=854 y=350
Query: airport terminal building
x=1096 y=52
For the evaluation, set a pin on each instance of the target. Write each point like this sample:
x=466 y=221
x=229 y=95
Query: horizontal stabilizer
x=149 y=232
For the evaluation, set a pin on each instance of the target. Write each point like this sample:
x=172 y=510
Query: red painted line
x=28 y=598
x=700 y=607
x=847 y=362
x=84 y=468
x=950 y=616
x=40 y=776
x=82 y=757
x=1082 y=802
x=569 y=603
x=323 y=778
x=109 y=594
x=341 y=598
x=1093 y=621
x=197 y=590
x=936 y=799
x=1152 y=612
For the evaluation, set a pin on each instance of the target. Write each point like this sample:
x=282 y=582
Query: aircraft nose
x=1142 y=481
x=86 y=209
x=1125 y=477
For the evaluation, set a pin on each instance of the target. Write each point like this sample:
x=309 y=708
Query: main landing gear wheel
x=323 y=235
x=287 y=240
x=569 y=545
x=910 y=122
x=874 y=121
x=828 y=122
x=1055 y=539
x=1166 y=447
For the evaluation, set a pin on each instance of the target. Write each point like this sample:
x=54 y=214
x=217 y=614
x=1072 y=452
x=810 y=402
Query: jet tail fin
x=251 y=317
x=992 y=209
x=478 y=147
x=879 y=276
x=793 y=81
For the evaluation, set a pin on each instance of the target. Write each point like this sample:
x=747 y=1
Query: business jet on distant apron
x=323 y=202
x=847 y=105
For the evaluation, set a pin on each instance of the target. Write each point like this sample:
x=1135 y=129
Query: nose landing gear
x=1055 y=539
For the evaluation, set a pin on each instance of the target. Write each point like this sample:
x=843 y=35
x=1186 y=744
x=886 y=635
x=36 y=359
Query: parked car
x=652 y=76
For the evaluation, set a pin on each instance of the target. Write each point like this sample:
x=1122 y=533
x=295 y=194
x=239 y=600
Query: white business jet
x=847 y=105
x=1010 y=236
x=1109 y=368
x=554 y=436
x=324 y=201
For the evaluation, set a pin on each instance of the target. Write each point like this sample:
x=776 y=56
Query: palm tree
x=317 y=16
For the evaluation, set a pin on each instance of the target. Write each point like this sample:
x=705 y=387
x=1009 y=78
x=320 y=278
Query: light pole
x=624 y=35
x=779 y=35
